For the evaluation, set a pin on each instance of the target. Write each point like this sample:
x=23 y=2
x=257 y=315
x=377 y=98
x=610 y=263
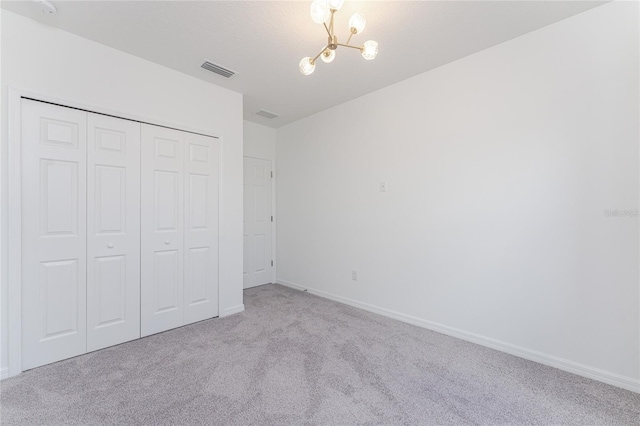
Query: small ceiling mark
x=268 y=114
x=46 y=6
x=217 y=69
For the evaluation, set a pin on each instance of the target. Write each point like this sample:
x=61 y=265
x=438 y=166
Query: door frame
x=14 y=205
x=273 y=212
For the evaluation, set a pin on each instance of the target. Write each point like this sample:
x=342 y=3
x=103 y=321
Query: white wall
x=499 y=168
x=41 y=59
x=259 y=141
x=4 y=355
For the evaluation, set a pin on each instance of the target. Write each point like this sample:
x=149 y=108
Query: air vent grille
x=210 y=66
x=267 y=114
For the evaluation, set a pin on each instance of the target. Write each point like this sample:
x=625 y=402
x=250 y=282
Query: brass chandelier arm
x=326 y=28
x=348 y=45
x=313 y=61
x=333 y=12
x=351 y=35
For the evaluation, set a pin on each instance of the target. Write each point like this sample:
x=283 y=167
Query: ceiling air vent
x=210 y=66
x=267 y=114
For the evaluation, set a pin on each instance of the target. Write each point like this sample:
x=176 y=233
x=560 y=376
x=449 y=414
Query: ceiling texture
x=263 y=41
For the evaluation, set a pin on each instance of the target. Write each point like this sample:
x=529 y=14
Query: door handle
x=167 y=242
x=110 y=245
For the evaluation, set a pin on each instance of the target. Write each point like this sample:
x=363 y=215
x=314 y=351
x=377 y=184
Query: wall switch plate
x=354 y=275
x=383 y=186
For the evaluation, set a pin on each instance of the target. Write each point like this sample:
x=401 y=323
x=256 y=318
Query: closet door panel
x=162 y=229
x=53 y=233
x=201 y=227
x=113 y=228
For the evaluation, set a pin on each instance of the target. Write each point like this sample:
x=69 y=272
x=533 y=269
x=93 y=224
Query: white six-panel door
x=53 y=233
x=201 y=228
x=162 y=229
x=257 y=268
x=179 y=228
x=113 y=231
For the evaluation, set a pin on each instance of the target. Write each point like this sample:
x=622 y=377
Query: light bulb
x=370 y=50
x=335 y=4
x=328 y=56
x=306 y=66
x=357 y=23
x=320 y=11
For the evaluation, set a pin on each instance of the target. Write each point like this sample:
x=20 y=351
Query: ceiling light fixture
x=323 y=11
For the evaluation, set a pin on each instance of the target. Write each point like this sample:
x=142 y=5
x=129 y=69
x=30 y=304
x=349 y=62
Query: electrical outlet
x=354 y=275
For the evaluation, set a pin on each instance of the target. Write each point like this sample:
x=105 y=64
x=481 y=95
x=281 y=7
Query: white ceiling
x=263 y=41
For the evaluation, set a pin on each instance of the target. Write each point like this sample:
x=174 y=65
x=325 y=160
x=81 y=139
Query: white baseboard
x=532 y=355
x=4 y=373
x=232 y=310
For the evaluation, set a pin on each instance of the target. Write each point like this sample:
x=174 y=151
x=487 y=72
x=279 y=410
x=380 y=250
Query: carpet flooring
x=296 y=359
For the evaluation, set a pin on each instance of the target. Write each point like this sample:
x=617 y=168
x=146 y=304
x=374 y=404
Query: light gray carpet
x=292 y=358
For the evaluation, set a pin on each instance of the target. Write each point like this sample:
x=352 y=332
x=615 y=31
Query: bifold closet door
x=113 y=231
x=201 y=228
x=53 y=233
x=179 y=228
x=162 y=227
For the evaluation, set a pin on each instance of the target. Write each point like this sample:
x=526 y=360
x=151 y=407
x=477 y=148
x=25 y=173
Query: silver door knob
x=167 y=242
x=110 y=245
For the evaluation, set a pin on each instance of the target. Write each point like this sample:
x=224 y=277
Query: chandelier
x=323 y=11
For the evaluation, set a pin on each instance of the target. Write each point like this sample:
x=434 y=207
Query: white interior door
x=54 y=233
x=179 y=228
x=162 y=228
x=257 y=222
x=201 y=227
x=113 y=231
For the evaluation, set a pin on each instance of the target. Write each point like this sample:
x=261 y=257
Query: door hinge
x=271 y=174
x=271 y=218
x=272 y=263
